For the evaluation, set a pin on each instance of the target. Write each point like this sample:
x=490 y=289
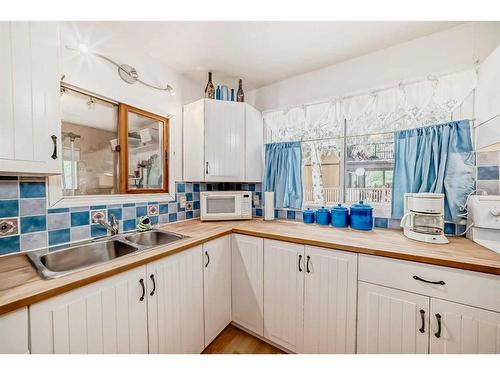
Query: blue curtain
x=282 y=173
x=435 y=159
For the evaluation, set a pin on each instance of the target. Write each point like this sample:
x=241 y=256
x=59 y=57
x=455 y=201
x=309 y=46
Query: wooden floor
x=235 y=341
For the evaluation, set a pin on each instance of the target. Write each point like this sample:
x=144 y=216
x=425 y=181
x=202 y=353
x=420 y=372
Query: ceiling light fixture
x=126 y=72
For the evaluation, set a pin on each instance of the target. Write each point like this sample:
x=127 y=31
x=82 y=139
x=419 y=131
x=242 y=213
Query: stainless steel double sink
x=53 y=264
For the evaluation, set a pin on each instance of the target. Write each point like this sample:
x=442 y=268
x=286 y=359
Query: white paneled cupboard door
x=330 y=301
x=391 y=321
x=224 y=141
x=247 y=269
x=284 y=293
x=109 y=316
x=29 y=103
x=457 y=328
x=254 y=152
x=175 y=303
x=14 y=332
x=217 y=286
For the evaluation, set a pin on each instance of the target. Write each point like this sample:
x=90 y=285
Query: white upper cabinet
x=30 y=120
x=222 y=142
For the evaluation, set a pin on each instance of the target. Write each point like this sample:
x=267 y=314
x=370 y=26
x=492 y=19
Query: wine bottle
x=240 y=96
x=210 y=90
x=232 y=95
x=217 y=93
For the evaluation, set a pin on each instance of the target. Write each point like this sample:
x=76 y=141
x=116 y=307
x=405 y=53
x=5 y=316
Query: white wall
x=449 y=50
x=95 y=75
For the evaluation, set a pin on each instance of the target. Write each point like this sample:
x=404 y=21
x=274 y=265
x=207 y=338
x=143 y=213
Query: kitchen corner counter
x=20 y=284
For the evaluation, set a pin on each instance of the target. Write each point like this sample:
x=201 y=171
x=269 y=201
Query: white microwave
x=225 y=205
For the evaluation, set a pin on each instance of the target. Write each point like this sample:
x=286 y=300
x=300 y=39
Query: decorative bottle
x=240 y=96
x=210 y=90
x=217 y=93
x=232 y=95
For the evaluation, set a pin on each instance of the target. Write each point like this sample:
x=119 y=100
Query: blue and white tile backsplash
x=488 y=172
x=23 y=204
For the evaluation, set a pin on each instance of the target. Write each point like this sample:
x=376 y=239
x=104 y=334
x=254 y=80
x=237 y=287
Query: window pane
x=89 y=134
x=369 y=169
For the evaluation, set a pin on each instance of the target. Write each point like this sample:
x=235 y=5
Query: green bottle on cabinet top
x=210 y=90
x=240 y=96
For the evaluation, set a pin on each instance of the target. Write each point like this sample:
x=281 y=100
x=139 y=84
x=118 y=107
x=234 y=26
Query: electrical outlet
x=256 y=200
x=182 y=201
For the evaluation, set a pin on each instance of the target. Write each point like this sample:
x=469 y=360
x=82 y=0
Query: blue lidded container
x=361 y=216
x=323 y=216
x=340 y=216
x=308 y=216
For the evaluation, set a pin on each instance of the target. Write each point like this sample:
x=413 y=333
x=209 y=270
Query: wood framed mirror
x=143 y=145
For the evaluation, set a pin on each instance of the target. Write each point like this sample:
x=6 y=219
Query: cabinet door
x=217 y=286
x=193 y=138
x=254 y=144
x=224 y=141
x=284 y=293
x=464 y=329
x=30 y=103
x=330 y=301
x=104 y=317
x=248 y=282
x=391 y=321
x=14 y=332
x=175 y=303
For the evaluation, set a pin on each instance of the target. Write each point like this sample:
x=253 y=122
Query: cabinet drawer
x=467 y=287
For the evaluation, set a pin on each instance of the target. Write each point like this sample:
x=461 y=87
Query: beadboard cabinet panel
x=254 y=151
x=175 y=303
x=14 y=332
x=30 y=105
x=247 y=270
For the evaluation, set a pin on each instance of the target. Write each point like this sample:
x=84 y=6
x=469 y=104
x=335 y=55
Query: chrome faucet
x=112 y=226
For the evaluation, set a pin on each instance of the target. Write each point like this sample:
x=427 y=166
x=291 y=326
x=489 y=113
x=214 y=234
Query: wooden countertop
x=20 y=284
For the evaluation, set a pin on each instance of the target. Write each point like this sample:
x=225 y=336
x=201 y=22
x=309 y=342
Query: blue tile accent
x=98 y=207
x=33 y=224
x=80 y=218
x=196 y=205
x=154 y=219
x=60 y=236
x=209 y=187
x=9 y=208
x=381 y=222
x=9 y=244
x=163 y=208
x=276 y=214
x=290 y=215
x=32 y=189
x=97 y=230
x=251 y=187
x=449 y=228
x=189 y=197
x=172 y=217
x=258 y=212
x=181 y=188
x=196 y=188
x=57 y=210
x=129 y=205
x=128 y=225
x=116 y=212
x=488 y=173
x=141 y=211
x=189 y=214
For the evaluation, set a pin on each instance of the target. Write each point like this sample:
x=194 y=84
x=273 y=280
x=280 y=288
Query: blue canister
x=323 y=216
x=361 y=216
x=308 y=216
x=340 y=216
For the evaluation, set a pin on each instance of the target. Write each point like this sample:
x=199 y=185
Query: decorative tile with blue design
x=258 y=212
x=189 y=214
x=154 y=220
x=449 y=228
x=488 y=173
x=116 y=212
x=196 y=188
x=189 y=197
x=163 y=208
x=80 y=218
x=196 y=205
x=172 y=217
x=33 y=224
x=381 y=222
x=181 y=188
x=290 y=215
x=59 y=236
x=9 y=244
x=97 y=230
x=129 y=225
x=32 y=189
x=141 y=211
x=9 y=208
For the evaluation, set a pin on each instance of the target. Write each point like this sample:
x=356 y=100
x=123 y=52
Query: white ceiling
x=259 y=52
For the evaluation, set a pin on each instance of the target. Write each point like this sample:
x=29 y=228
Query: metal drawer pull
x=141 y=281
x=300 y=260
x=54 y=141
x=422 y=315
x=307 y=264
x=429 y=282
x=438 y=333
x=208 y=259
x=152 y=277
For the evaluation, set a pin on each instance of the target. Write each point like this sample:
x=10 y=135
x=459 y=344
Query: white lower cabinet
x=459 y=329
x=247 y=270
x=109 y=316
x=391 y=321
x=330 y=301
x=175 y=303
x=217 y=286
x=14 y=332
x=284 y=294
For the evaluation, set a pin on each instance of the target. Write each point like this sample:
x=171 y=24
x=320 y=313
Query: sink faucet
x=112 y=226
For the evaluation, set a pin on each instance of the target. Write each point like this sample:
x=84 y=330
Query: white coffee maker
x=423 y=218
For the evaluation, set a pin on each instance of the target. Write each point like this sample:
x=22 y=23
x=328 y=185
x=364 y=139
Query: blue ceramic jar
x=340 y=216
x=361 y=216
x=323 y=216
x=308 y=217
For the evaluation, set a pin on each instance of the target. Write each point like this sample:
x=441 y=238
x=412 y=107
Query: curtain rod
x=430 y=77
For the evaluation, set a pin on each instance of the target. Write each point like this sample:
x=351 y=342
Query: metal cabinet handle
x=438 y=333
x=206 y=167
x=54 y=141
x=429 y=282
x=152 y=277
x=300 y=260
x=422 y=315
x=141 y=281
x=208 y=259
x=307 y=264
